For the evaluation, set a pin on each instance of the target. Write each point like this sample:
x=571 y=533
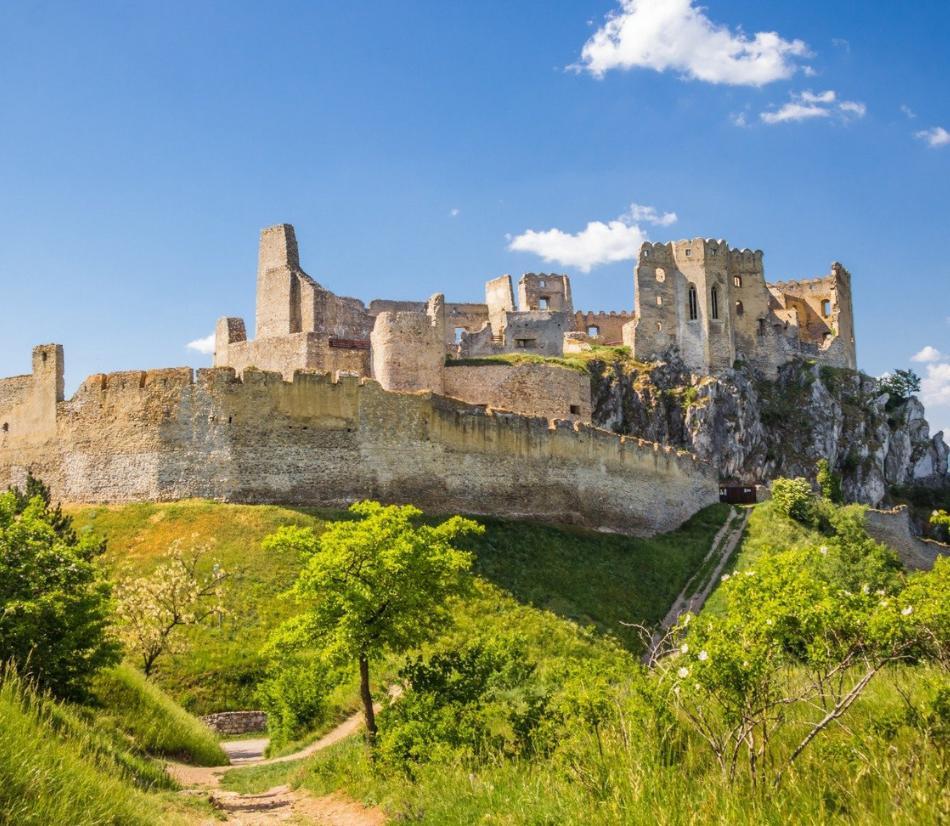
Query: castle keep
x=333 y=400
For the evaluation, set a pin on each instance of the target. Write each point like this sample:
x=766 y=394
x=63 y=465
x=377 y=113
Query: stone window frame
x=595 y=329
x=737 y=280
x=526 y=344
x=740 y=309
x=714 y=302
x=692 y=303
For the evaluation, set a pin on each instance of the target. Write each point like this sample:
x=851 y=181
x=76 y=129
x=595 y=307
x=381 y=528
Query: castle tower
x=544 y=292
x=278 y=286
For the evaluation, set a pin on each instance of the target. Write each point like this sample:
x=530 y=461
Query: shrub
x=56 y=602
x=793 y=498
x=829 y=482
x=294 y=695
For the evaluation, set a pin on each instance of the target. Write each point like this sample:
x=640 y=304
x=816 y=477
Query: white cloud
x=808 y=105
x=934 y=137
x=455 y=212
x=639 y=212
x=928 y=354
x=598 y=243
x=908 y=111
x=935 y=394
x=675 y=35
x=202 y=345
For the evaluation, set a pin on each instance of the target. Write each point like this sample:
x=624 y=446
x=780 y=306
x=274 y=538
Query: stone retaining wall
x=236 y=722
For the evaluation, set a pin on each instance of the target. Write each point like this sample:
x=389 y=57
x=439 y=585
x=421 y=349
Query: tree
x=793 y=498
x=374 y=584
x=828 y=482
x=152 y=608
x=900 y=385
x=940 y=522
x=55 y=607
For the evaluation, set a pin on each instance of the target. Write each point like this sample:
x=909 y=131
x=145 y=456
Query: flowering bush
x=794 y=499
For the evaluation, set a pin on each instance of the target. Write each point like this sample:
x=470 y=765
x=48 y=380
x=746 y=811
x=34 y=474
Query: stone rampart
x=893 y=528
x=546 y=390
x=167 y=434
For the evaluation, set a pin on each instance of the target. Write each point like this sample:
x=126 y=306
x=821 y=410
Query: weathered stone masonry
x=168 y=434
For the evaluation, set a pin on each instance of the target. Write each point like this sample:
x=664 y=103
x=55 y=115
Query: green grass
x=596 y=580
x=157 y=724
x=60 y=765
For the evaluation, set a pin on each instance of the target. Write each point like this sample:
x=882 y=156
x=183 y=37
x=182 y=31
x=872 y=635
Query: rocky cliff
x=754 y=429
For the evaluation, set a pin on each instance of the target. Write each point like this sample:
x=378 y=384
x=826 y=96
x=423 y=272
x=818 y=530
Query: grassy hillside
x=611 y=757
x=597 y=581
x=62 y=763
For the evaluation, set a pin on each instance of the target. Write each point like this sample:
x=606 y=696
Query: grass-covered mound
x=596 y=580
x=519 y=715
x=59 y=764
x=154 y=722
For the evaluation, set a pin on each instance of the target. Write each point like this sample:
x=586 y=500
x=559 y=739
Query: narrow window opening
x=458 y=334
x=541 y=283
x=689 y=252
x=739 y=308
x=44 y=358
x=543 y=302
x=575 y=410
x=659 y=327
x=715 y=303
x=693 y=304
x=593 y=330
x=737 y=280
x=6 y=427
x=525 y=343
x=660 y=275
x=659 y=301
x=826 y=307
x=761 y=326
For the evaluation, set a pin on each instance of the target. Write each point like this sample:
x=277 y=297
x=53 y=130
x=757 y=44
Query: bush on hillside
x=56 y=614
x=829 y=482
x=793 y=498
x=294 y=695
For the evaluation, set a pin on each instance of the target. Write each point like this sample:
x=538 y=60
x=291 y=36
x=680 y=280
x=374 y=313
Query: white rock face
x=754 y=430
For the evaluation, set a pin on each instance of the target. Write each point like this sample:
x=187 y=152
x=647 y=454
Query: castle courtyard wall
x=546 y=390
x=167 y=435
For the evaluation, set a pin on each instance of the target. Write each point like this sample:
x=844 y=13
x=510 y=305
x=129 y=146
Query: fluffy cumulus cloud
x=202 y=345
x=598 y=243
x=808 y=105
x=676 y=35
x=934 y=137
x=928 y=354
x=935 y=386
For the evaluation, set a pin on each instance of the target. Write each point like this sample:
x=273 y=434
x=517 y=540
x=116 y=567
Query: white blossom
x=703 y=656
x=684 y=648
x=683 y=672
x=908 y=611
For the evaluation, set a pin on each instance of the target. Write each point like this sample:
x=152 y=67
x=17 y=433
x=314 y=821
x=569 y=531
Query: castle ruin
x=334 y=400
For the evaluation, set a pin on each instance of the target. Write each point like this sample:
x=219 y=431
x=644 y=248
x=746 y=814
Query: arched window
x=693 y=303
x=659 y=301
x=737 y=280
x=739 y=308
x=715 y=302
x=659 y=327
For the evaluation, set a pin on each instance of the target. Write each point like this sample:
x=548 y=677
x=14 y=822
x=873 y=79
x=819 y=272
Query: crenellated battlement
x=327 y=440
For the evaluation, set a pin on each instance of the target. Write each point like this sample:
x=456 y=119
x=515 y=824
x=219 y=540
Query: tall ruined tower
x=278 y=284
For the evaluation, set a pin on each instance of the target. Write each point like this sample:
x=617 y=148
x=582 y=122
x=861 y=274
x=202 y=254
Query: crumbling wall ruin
x=168 y=434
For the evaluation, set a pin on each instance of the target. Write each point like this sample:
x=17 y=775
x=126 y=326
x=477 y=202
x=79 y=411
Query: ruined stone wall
x=408 y=348
x=299 y=351
x=893 y=528
x=28 y=403
x=546 y=390
x=538 y=332
x=541 y=291
x=500 y=300
x=166 y=435
x=609 y=325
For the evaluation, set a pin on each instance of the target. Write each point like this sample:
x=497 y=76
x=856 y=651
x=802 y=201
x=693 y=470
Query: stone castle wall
x=545 y=390
x=893 y=528
x=168 y=434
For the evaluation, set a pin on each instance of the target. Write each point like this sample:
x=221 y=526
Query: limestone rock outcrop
x=754 y=429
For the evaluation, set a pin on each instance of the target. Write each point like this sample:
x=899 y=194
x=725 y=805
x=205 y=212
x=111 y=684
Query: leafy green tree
x=55 y=605
x=940 y=523
x=374 y=584
x=794 y=499
x=900 y=385
x=829 y=482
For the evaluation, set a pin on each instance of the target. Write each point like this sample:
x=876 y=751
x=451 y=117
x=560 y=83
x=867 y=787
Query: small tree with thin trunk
x=153 y=609
x=373 y=585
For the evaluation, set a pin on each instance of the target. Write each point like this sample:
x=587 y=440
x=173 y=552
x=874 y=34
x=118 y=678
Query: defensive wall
x=172 y=434
x=893 y=528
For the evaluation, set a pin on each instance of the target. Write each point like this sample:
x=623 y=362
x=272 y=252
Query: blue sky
x=423 y=147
